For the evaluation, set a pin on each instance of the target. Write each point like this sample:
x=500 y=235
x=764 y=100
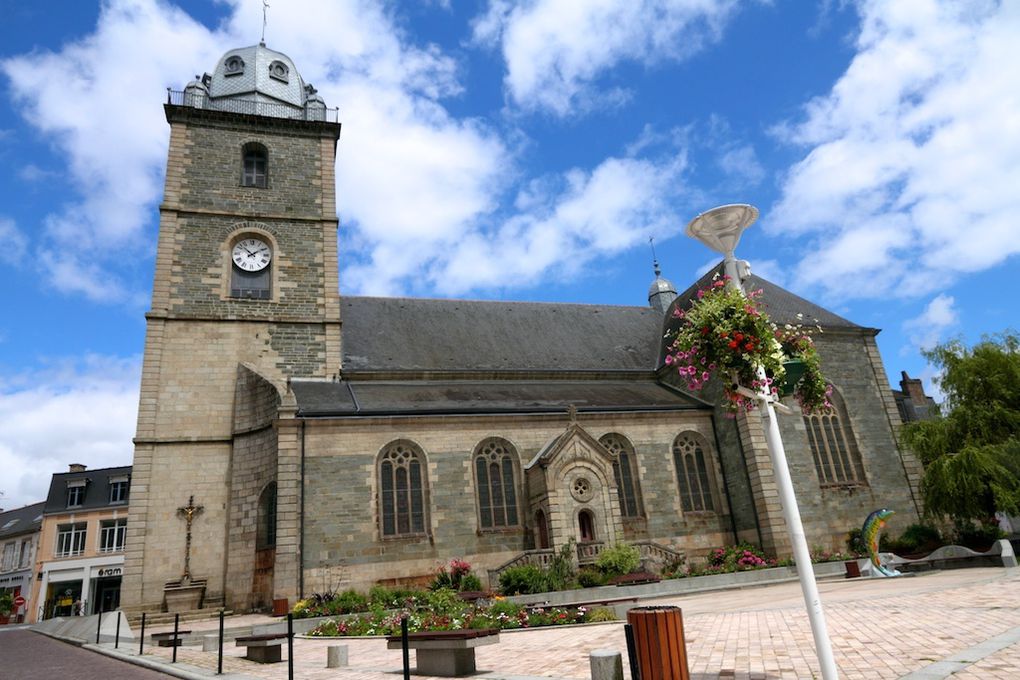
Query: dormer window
x=279 y=71
x=233 y=66
x=119 y=490
x=75 y=493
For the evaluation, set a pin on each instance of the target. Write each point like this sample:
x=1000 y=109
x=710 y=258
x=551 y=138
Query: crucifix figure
x=188 y=512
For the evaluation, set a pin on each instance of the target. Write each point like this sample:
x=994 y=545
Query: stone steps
x=165 y=618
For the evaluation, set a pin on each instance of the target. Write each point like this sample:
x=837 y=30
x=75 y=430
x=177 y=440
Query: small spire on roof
x=265 y=6
x=662 y=292
x=655 y=260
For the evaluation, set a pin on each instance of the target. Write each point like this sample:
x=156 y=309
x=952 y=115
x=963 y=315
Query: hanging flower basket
x=724 y=333
x=794 y=369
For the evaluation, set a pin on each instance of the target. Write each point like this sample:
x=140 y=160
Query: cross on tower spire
x=265 y=6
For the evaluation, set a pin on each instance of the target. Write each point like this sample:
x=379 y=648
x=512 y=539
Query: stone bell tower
x=245 y=297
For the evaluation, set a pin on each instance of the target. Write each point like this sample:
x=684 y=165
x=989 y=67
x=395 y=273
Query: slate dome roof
x=260 y=73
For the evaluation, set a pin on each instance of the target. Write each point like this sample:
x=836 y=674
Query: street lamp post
x=720 y=229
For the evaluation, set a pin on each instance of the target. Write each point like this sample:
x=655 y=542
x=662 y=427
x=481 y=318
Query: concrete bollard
x=606 y=664
x=336 y=656
x=210 y=643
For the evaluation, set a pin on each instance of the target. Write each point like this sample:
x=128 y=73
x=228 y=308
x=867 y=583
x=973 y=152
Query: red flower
x=733 y=344
x=749 y=346
x=704 y=330
x=739 y=337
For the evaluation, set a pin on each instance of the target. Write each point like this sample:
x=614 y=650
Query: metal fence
x=252 y=107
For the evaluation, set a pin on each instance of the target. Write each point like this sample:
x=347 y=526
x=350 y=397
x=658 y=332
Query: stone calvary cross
x=188 y=512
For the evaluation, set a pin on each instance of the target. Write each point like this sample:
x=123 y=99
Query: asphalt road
x=25 y=655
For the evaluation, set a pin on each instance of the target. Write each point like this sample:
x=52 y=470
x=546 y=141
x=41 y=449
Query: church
x=307 y=435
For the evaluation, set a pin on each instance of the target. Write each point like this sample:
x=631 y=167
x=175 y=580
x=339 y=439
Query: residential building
x=80 y=559
x=19 y=538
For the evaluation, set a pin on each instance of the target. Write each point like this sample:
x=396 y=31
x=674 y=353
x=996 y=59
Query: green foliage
x=618 y=560
x=591 y=578
x=971 y=455
x=738 y=557
x=855 y=542
x=560 y=574
x=523 y=579
x=601 y=614
x=442 y=601
x=977 y=536
x=724 y=333
x=6 y=603
x=470 y=582
x=458 y=577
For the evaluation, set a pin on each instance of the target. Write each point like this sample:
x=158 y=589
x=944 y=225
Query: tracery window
x=402 y=486
x=693 y=473
x=625 y=471
x=833 y=447
x=495 y=477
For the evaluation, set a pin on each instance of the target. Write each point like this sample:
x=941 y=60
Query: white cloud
x=33 y=173
x=566 y=221
x=927 y=329
x=14 y=241
x=556 y=50
x=71 y=412
x=909 y=178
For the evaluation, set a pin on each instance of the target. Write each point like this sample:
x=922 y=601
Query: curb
x=178 y=670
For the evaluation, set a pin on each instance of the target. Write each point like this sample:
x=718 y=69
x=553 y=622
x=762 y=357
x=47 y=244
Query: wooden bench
x=262 y=648
x=167 y=639
x=446 y=653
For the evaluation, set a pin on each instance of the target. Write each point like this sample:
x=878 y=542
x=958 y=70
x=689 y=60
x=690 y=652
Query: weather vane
x=655 y=260
x=265 y=6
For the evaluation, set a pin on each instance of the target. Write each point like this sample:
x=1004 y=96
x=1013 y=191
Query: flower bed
x=433 y=614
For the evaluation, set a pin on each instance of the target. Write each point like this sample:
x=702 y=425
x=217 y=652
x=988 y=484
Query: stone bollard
x=606 y=664
x=210 y=643
x=336 y=656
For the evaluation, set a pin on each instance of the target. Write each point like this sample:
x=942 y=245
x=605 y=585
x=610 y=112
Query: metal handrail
x=251 y=107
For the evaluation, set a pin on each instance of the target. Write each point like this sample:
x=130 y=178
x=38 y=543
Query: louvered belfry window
x=495 y=477
x=402 y=490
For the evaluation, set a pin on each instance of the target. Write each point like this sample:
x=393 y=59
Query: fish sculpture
x=872 y=526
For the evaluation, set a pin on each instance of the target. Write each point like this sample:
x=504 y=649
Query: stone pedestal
x=183 y=596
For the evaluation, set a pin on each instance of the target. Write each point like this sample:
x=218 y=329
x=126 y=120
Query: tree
x=971 y=451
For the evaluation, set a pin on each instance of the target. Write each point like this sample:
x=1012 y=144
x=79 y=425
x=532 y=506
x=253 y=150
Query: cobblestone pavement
x=928 y=626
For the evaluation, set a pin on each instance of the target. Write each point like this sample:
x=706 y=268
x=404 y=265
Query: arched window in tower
x=251 y=260
x=265 y=531
x=254 y=165
x=402 y=484
x=694 y=475
x=833 y=447
x=496 y=483
x=625 y=471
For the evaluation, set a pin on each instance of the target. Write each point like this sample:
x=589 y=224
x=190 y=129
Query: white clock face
x=252 y=254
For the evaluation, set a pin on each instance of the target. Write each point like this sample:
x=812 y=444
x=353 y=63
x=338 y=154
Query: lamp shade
x=720 y=228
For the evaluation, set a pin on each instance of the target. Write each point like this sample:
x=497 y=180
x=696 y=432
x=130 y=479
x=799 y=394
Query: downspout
x=301 y=520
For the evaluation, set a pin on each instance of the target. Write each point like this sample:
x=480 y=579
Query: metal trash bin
x=659 y=643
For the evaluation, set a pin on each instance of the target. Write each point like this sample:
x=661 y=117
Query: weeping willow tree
x=971 y=451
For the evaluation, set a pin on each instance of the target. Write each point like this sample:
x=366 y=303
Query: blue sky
x=516 y=150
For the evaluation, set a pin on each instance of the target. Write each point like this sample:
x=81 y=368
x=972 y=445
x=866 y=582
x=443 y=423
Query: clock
x=252 y=254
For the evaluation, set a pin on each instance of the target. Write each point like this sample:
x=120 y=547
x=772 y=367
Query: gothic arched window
x=625 y=471
x=265 y=532
x=693 y=473
x=496 y=482
x=833 y=447
x=254 y=165
x=402 y=484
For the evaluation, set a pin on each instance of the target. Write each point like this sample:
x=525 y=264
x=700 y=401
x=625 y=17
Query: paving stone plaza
x=961 y=623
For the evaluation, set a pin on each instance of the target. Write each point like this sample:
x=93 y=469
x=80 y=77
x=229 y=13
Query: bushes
x=458 y=577
x=618 y=560
x=524 y=579
x=916 y=539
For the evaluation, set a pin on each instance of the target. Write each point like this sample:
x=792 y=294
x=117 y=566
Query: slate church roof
x=406 y=356
x=407 y=334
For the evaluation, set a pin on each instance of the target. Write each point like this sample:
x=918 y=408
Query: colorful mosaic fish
x=869 y=532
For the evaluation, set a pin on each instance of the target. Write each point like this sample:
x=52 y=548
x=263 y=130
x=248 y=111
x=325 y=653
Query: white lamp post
x=720 y=229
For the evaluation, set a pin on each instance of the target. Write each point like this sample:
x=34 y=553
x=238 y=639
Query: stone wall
x=341 y=522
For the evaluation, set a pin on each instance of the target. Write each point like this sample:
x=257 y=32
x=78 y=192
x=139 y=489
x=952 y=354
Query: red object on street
x=19 y=602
